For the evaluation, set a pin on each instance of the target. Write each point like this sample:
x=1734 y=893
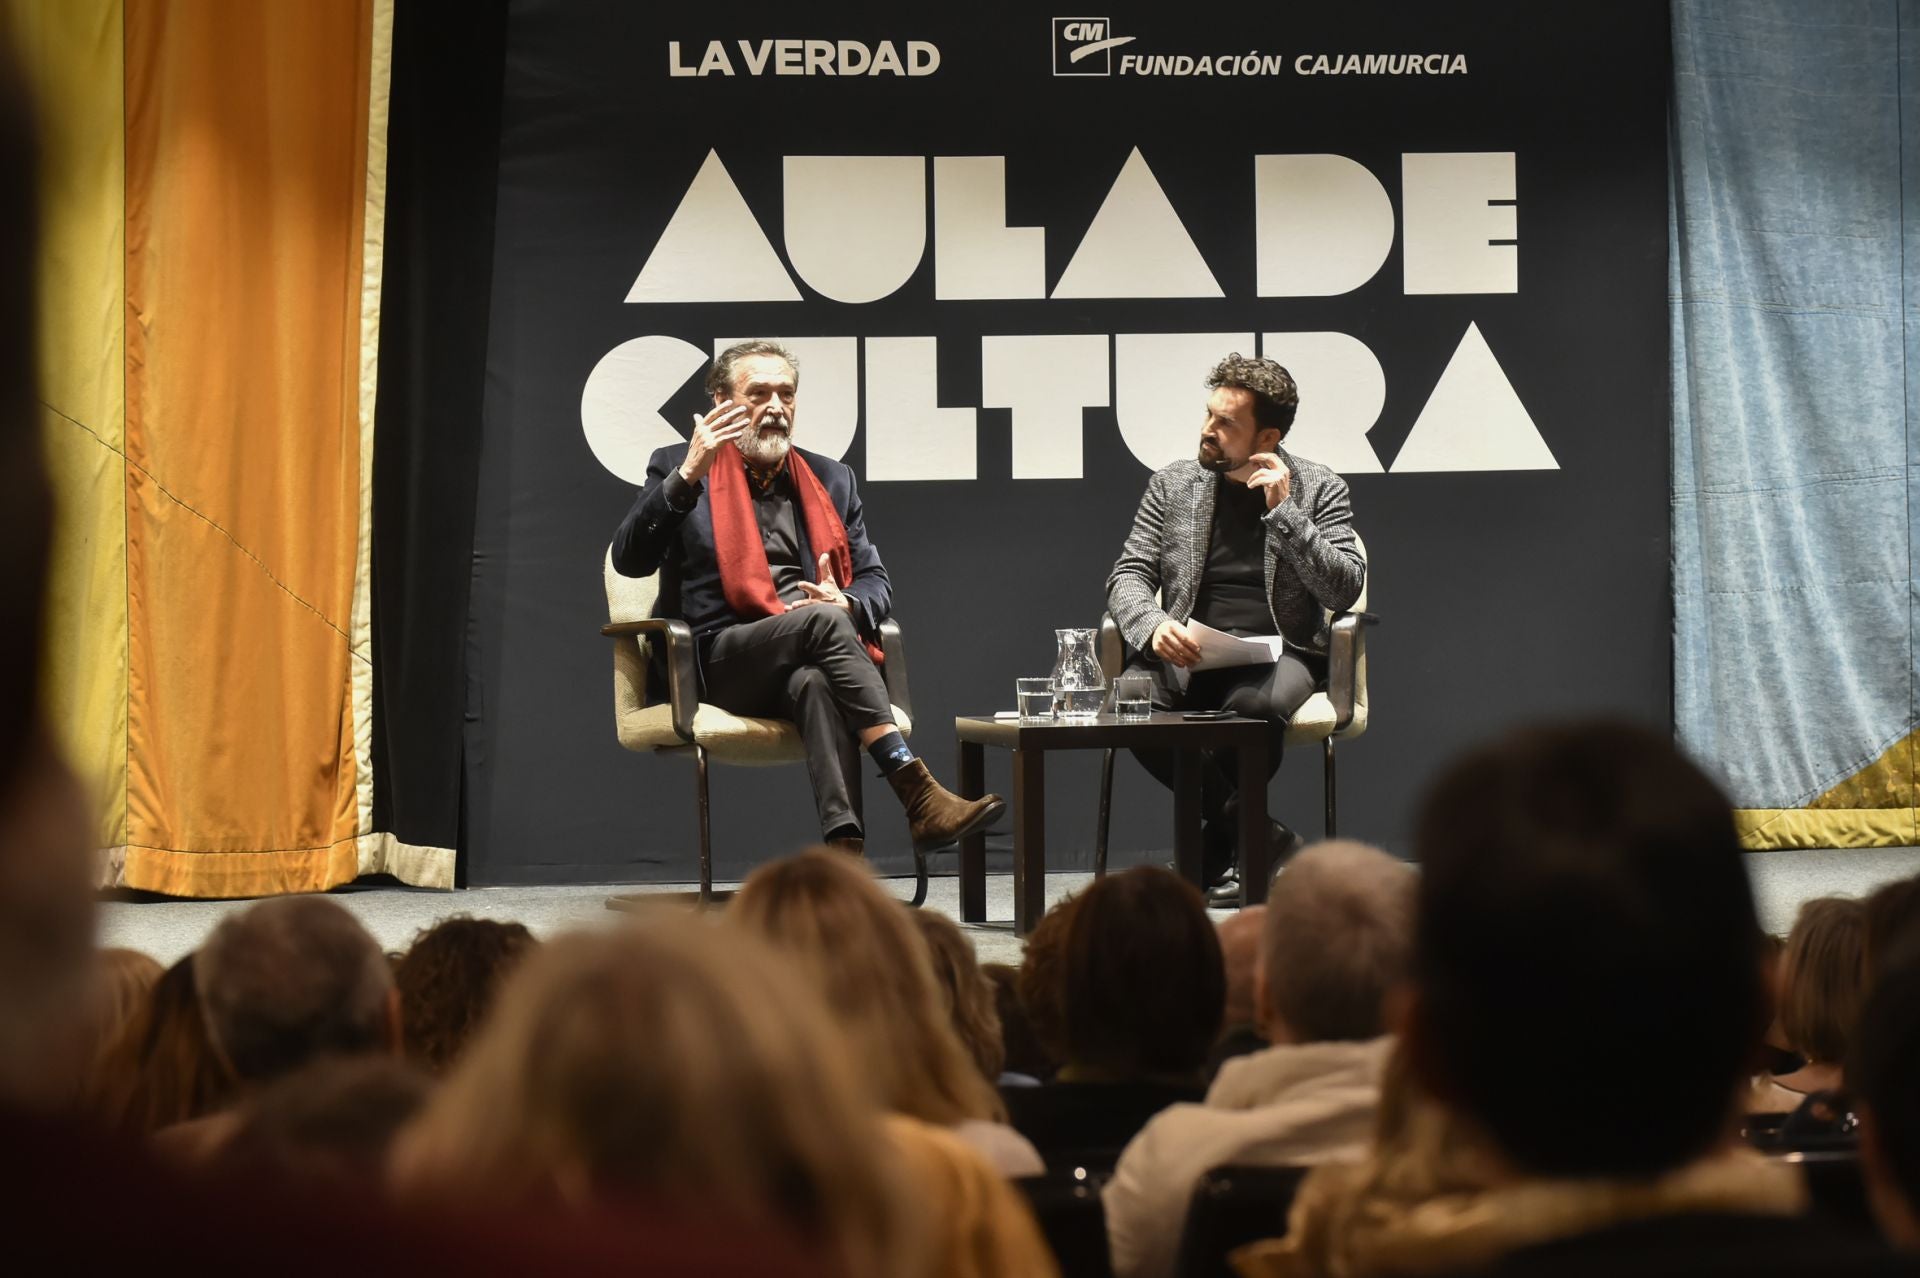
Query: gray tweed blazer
x=1313 y=565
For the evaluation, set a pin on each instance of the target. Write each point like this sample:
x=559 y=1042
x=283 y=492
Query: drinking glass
x=1034 y=697
x=1133 y=697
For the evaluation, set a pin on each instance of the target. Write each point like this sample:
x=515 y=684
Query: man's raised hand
x=1270 y=476
x=725 y=424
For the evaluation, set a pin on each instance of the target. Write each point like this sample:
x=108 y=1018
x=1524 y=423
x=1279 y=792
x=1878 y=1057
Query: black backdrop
x=1506 y=593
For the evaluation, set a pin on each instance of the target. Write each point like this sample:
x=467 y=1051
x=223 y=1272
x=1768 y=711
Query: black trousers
x=810 y=666
x=1274 y=693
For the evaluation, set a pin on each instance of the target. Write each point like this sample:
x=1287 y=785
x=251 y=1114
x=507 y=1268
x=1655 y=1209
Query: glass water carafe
x=1079 y=686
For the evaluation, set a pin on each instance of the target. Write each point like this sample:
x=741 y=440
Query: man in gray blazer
x=1248 y=539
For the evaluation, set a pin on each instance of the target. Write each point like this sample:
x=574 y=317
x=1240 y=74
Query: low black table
x=1164 y=730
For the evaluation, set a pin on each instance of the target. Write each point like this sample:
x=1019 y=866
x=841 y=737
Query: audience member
x=283 y=984
x=825 y=911
x=1026 y=1061
x=447 y=980
x=123 y=982
x=1893 y=925
x=968 y=994
x=1581 y=888
x=1141 y=992
x=1883 y=1071
x=291 y=980
x=331 y=1124
x=1334 y=941
x=1043 y=984
x=162 y=1069
x=1822 y=988
x=1240 y=935
x=674 y=1064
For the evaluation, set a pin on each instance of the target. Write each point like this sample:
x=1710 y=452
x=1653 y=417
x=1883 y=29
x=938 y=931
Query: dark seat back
x=1233 y=1206
x=1835 y=1184
x=1088 y=1123
x=1072 y=1219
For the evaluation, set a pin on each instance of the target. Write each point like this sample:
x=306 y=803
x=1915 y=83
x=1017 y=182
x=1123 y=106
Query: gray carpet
x=168 y=929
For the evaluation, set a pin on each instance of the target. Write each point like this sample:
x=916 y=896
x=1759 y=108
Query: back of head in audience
x=291 y=980
x=331 y=1123
x=1021 y=1049
x=1893 y=925
x=1883 y=1073
x=123 y=982
x=1339 y=930
x=1582 y=892
x=825 y=911
x=1240 y=943
x=674 y=1065
x=1823 y=978
x=447 y=980
x=970 y=997
x=161 y=1069
x=1043 y=982
x=1143 y=987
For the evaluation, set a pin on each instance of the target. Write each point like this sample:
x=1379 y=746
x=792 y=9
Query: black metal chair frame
x=683 y=698
x=1346 y=647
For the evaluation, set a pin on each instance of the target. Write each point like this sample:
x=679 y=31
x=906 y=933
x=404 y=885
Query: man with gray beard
x=762 y=550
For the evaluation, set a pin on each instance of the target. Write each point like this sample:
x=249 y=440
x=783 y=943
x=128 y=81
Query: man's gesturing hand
x=726 y=423
x=1272 y=476
x=1171 y=642
x=827 y=592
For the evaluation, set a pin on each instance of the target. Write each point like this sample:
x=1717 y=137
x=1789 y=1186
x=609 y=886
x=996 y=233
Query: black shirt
x=1233 y=587
x=775 y=512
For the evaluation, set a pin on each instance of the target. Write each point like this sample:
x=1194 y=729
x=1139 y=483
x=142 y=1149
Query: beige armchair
x=1334 y=713
x=684 y=725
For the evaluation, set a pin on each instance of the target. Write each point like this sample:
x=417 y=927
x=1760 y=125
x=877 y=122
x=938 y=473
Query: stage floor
x=168 y=929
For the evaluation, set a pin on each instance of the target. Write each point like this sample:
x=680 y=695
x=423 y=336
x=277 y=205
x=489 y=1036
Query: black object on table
x=1163 y=730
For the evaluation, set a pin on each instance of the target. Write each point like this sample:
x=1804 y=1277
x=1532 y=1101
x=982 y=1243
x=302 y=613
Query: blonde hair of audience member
x=1336 y=942
x=1823 y=986
x=862 y=950
x=162 y=1069
x=675 y=1063
x=969 y=994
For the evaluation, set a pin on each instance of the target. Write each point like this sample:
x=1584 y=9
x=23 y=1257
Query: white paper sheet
x=1219 y=649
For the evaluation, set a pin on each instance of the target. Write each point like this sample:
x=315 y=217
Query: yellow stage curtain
x=211 y=321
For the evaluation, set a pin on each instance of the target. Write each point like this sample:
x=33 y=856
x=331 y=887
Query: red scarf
x=745 y=578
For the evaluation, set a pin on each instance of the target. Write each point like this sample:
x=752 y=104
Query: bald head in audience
x=291 y=980
x=1339 y=929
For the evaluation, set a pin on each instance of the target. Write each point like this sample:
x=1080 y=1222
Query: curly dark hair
x=1275 y=398
x=720 y=376
x=448 y=979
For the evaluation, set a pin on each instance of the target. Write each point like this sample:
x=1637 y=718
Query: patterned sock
x=891 y=753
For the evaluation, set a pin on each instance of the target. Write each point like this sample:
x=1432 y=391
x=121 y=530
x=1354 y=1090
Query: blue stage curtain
x=1793 y=258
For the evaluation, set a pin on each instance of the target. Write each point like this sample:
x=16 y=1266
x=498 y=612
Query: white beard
x=765 y=450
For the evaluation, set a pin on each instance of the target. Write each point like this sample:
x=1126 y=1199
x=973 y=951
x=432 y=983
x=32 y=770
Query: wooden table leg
x=1029 y=839
x=973 y=848
x=1256 y=848
x=1187 y=855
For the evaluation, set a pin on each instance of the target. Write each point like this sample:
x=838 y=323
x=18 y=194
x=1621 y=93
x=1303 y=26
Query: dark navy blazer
x=670 y=531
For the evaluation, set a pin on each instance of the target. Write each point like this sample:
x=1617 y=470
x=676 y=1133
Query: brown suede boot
x=936 y=817
x=850 y=845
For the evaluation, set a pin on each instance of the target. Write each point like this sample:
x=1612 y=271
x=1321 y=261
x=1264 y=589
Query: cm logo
x=1084 y=46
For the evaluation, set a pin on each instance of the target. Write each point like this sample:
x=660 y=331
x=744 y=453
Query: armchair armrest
x=1346 y=645
x=894 y=669
x=683 y=684
x=1113 y=648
